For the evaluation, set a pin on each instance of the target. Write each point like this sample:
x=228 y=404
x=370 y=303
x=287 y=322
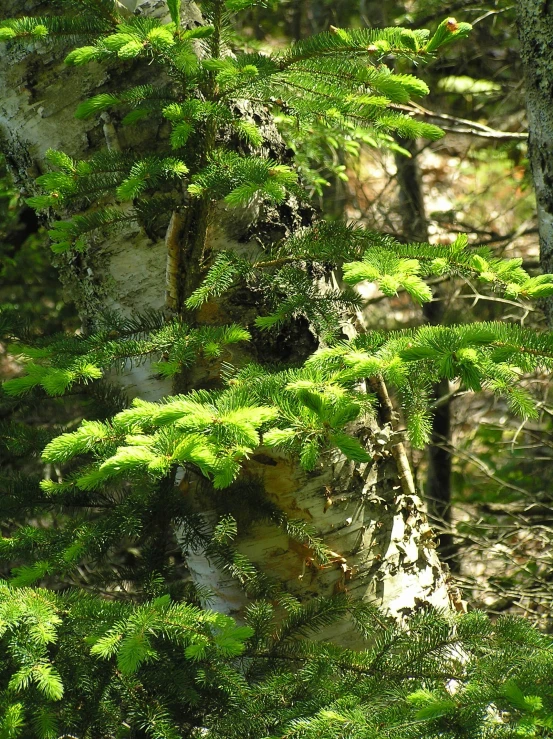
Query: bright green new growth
x=178 y=670
x=57 y=364
x=337 y=77
x=145 y=663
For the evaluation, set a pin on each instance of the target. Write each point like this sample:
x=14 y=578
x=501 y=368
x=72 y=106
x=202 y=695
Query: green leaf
x=29 y=574
x=81 y=56
x=242 y=194
x=134 y=649
x=12 y=721
x=174 y=10
x=409 y=39
x=96 y=104
x=117 y=40
x=420 y=698
x=521 y=702
x=355 y=272
x=309 y=455
x=45 y=723
x=200 y=32
x=48 y=681
x=197 y=651
x=131 y=49
x=235 y=6
x=6 y=34
x=225 y=472
x=416 y=288
x=249 y=132
x=435 y=710
x=419 y=427
x=42 y=202
x=540 y=291
x=448 y=31
x=311 y=400
x=277 y=437
x=161 y=38
x=345 y=415
x=268 y=322
x=180 y=134
x=415 y=353
x=107 y=646
x=350 y=447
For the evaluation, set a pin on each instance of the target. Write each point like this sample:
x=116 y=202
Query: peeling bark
x=535 y=30
x=368 y=516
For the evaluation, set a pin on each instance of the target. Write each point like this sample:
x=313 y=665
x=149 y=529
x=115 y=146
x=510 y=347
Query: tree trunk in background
x=296 y=21
x=535 y=30
x=369 y=515
x=438 y=481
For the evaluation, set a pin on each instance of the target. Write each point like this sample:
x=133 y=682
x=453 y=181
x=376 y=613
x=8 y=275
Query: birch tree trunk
x=535 y=30
x=369 y=515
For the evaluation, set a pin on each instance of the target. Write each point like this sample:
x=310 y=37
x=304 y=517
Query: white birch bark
x=369 y=515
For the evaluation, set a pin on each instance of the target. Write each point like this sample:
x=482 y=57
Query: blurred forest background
x=487 y=477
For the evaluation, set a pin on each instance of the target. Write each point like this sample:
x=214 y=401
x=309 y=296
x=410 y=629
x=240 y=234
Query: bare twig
x=462 y=125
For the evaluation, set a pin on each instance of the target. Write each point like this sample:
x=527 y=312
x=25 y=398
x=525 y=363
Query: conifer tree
x=260 y=441
x=216 y=176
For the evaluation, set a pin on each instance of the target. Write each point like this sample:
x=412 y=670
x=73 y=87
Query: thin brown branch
x=461 y=125
x=388 y=415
